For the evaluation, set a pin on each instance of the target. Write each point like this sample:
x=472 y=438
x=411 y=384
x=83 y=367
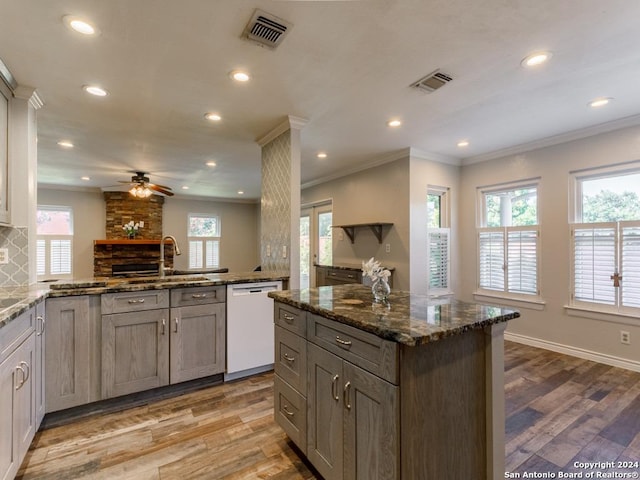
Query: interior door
x=315 y=240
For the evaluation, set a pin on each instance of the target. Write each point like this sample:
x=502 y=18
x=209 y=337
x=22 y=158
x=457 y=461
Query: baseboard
x=574 y=351
x=246 y=373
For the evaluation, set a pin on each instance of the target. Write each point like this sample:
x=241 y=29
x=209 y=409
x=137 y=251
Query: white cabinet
x=5 y=95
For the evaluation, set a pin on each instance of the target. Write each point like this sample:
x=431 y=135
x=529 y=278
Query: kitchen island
x=412 y=389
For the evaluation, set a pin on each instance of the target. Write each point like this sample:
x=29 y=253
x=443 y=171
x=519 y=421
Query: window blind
x=630 y=265
x=594 y=261
x=522 y=261
x=491 y=250
x=438 y=258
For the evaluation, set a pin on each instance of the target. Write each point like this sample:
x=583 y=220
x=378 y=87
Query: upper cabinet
x=5 y=95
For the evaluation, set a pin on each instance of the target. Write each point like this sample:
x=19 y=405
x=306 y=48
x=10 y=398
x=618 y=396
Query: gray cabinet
x=327 y=275
x=40 y=363
x=347 y=398
x=135 y=342
x=17 y=392
x=353 y=419
x=197 y=337
x=5 y=96
x=72 y=351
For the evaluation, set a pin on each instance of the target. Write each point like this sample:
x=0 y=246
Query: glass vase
x=381 y=290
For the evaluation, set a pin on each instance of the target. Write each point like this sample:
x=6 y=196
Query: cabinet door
x=135 y=352
x=325 y=412
x=39 y=367
x=371 y=419
x=9 y=458
x=5 y=95
x=67 y=352
x=24 y=401
x=197 y=341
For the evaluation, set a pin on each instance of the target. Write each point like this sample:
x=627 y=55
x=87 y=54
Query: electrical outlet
x=4 y=256
x=387 y=248
x=284 y=251
x=268 y=250
x=341 y=235
x=625 y=337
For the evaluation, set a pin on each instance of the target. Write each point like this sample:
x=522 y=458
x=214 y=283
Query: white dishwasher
x=250 y=329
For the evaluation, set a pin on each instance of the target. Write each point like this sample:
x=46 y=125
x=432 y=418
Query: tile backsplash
x=15 y=273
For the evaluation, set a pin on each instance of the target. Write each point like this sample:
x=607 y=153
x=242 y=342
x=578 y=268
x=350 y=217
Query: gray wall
x=239 y=221
x=553 y=325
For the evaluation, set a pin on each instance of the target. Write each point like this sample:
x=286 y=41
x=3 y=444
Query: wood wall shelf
x=350 y=230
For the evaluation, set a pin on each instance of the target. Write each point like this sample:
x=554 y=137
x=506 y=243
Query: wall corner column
x=280 y=199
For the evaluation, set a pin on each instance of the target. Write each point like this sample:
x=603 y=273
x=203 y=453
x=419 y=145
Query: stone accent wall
x=107 y=255
x=122 y=207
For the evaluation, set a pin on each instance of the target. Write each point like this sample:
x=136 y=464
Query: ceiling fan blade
x=161 y=186
x=161 y=190
x=127 y=182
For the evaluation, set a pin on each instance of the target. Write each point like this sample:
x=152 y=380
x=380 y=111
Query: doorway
x=316 y=245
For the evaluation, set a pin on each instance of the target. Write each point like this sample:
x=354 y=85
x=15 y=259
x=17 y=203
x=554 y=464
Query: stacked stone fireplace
x=120 y=255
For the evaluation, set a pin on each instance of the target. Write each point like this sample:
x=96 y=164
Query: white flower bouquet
x=131 y=228
x=374 y=271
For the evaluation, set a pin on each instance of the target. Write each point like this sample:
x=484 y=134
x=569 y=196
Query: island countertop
x=409 y=319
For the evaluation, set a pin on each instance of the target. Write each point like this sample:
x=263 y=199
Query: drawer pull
x=351 y=276
x=164 y=326
x=140 y=300
x=286 y=410
x=199 y=295
x=23 y=376
x=347 y=400
x=289 y=358
x=288 y=318
x=39 y=325
x=346 y=343
x=26 y=365
x=176 y=329
x=334 y=389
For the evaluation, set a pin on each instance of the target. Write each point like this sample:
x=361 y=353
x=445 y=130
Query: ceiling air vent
x=432 y=82
x=266 y=29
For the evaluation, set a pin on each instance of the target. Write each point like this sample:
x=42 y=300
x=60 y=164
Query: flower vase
x=132 y=236
x=381 y=290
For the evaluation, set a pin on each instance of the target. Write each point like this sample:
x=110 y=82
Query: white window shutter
x=522 y=260
x=195 y=254
x=630 y=264
x=213 y=256
x=491 y=255
x=41 y=256
x=60 y=257
x=594 y=261
x=439 y=258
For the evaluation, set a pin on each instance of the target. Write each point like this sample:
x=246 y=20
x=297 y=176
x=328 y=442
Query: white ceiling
x=346 y=66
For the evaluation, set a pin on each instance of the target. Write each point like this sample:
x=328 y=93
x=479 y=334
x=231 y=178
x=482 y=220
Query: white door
x=315 y=241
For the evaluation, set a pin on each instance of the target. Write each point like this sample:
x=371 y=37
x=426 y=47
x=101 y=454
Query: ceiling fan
x=141 y=186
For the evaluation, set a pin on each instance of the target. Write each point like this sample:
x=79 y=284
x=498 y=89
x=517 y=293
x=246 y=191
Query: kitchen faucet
x=176 y=248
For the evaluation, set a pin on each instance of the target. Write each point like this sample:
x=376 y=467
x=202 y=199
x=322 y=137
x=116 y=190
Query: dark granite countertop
x=14 y=301
x=409 y=319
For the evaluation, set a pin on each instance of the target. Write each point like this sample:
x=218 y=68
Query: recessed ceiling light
x=600 y=102
x=463 y=143
x=535 y=59
x=214 y=117
x=85 y=178
x=79 y=25
x=65 y=144
x=394 y=123
x=185 y=187
x=240 y=192
x=211 y=164
x=240 y=76
x=95 y=90
x=322 y=155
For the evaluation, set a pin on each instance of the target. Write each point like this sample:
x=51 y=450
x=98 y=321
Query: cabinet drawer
x=344 y=276
x=182 y=297
x=15 y=331
x=291 y=358
x=290 y=411
x=366 y=350
x=291 y=318
x=134 y=301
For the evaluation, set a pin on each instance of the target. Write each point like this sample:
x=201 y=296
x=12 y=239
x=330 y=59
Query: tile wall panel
x=16 y=241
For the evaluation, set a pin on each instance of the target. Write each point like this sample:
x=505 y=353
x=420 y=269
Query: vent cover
x=432 y=82
x=266 y=30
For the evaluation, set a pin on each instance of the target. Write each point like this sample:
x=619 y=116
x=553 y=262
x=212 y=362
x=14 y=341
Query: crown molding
x=631 y=121
x=387 y=158
x=291 y=123
x=29 y=93
x=434 y=157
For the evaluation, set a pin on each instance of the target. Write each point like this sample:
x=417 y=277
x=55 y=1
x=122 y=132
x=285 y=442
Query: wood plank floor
x=559 y=409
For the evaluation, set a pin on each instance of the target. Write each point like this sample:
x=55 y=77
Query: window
x=54 y=242
x=438 y=241
x=508 y=240
x=204 y=241
x=605 y=240
x=315 y=239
